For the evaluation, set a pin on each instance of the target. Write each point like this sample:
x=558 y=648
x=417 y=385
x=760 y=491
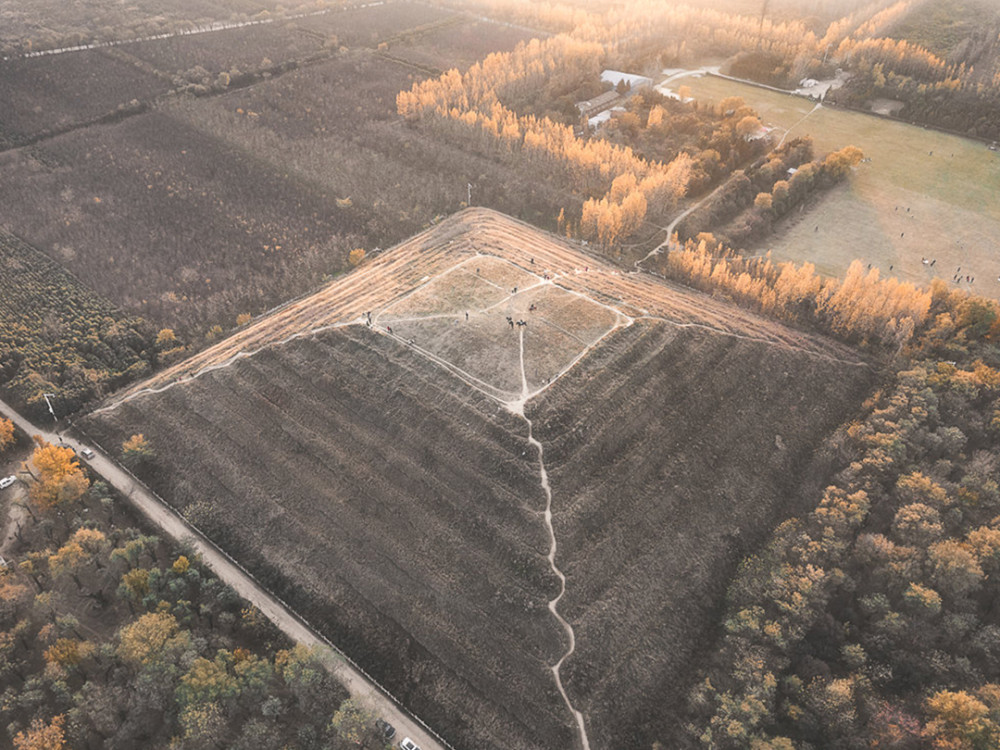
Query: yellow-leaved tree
x=6 y=434
x=42 y=736
x=61 y=481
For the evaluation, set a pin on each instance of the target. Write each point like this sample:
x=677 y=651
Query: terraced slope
x=665 y=473
x=393 y=484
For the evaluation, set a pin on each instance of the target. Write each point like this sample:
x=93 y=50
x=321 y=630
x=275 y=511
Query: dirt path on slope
x=518 y=407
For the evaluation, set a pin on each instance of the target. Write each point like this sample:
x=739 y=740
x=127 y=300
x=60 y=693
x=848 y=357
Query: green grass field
x=949 y=184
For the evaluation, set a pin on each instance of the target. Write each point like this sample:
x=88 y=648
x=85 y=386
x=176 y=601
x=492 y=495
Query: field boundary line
x=207 y=29
x=207 y=541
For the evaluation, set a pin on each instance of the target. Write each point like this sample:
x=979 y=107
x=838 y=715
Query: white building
x=636 y=82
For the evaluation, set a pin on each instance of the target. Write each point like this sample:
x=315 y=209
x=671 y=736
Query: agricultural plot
x=48 y=24
x=171 y=223
x=924 y=195
x=205 y=209
x=401 y=466
x=457 y=45
x=244 y=49
x=50 y=94
x=367 y=27
x=58 y=337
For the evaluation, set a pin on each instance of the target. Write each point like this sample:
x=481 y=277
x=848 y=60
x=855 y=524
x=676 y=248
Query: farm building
x=602 y=117
x=633 y=81
x=605 y=101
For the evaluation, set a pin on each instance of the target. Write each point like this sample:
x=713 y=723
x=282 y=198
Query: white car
x=408 y=744
x=7 y=482
x=87 y=453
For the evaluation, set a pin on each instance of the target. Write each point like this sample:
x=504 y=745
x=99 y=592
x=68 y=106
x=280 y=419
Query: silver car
x=7 y=482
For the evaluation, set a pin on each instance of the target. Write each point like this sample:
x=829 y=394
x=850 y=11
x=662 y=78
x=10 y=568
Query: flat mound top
x=433 y=273
x=471 y=317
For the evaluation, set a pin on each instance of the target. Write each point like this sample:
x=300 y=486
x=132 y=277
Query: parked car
x=388 y=730
x=7 y=482
x=87 y=453
x=408 y=744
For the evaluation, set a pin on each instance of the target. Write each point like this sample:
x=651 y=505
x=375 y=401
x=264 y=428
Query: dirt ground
x=385 y=483
x=471 y=315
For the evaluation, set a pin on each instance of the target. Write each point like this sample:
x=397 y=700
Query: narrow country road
x=173 y=525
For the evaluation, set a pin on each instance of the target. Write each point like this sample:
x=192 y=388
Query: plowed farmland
x=378 y=454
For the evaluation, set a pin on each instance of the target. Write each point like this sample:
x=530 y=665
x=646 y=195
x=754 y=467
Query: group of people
x=958 y=276
x=519 y=323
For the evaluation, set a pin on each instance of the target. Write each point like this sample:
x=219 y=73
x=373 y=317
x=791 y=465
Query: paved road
x=174 y=525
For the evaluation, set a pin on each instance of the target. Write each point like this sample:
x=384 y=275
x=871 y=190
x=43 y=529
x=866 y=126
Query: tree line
x=746 y=207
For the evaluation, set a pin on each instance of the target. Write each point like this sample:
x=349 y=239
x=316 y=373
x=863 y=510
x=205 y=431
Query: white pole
x=49 y=403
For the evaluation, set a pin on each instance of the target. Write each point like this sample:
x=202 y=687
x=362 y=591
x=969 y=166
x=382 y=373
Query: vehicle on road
x=408 y=744
x=87 y=453
x=388 y=730
x=7 y=482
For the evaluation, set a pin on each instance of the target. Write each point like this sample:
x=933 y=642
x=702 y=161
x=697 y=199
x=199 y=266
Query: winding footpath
x=518 y=408
x=359 y=685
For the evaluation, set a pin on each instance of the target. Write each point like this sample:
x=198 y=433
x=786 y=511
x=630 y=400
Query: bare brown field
x=458 y=46
x=50 y=94
x=478 y=232
x=440 y=592
x=244 y=49
x=677 y=431
x=367 y=27
x=673 y=453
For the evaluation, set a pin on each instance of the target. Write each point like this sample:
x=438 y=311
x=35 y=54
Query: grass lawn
x=948 y=183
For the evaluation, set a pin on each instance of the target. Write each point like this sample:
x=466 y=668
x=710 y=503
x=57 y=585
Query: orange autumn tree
x=61 y=481
x=42 y=736
x=6 y=434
